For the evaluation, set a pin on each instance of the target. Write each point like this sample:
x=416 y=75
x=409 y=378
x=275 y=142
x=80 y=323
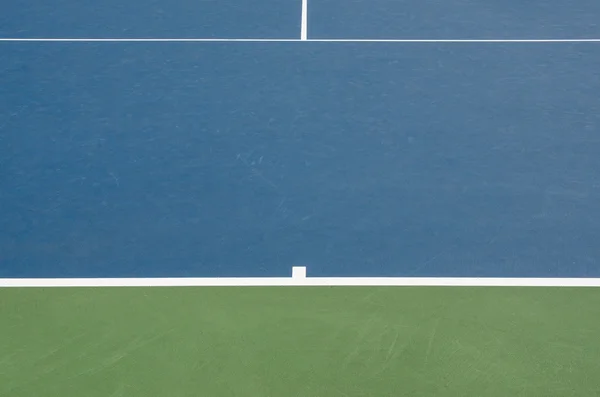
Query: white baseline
x=302 y=282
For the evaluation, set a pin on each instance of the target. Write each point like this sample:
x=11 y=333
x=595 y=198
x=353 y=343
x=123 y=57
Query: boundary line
x=298 y=282
x=302 y=39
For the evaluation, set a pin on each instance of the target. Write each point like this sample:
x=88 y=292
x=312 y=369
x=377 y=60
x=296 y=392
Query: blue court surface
x=154 y=159
x=455 y=19
x=154 y=18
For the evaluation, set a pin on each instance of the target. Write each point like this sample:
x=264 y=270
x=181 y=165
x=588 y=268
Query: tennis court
x=432 y=166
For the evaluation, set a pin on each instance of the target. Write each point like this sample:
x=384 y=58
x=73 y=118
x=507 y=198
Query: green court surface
x=304 y=341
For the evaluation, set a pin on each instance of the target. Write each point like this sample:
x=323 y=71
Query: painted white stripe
x=304 y=23
x=300 y=281
x=224 y=40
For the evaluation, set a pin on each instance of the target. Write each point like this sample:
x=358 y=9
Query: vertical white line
x=304 y=23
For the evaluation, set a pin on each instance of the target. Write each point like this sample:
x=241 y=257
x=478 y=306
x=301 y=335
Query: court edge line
x=302 y=282
x=301 y=40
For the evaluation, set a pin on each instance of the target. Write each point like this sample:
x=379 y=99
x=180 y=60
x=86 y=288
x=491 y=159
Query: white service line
x=145 y=40
x=456 y=40
x=304 y=33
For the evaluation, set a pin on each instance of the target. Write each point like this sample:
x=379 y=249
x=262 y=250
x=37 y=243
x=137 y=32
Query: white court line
x=302 y=282
x=304 y=23
x=233 y=40
x=299 y=279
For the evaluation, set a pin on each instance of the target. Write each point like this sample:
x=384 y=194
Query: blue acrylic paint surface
x=244 y=159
